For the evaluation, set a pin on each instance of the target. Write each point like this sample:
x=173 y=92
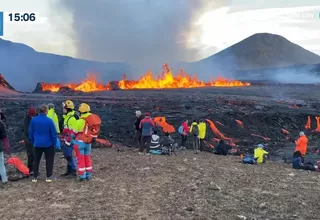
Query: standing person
x=4 y=145
x=138 y=129
x=184 y=130
x=202 y=133
x=146 y=125
x=68 y=133
x=302 y=144
x=87 y=128
x=43 y=136
x=53 y=115
x=194 y=131
x=32 y=112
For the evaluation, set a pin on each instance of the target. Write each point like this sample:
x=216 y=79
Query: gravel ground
x=188 y=186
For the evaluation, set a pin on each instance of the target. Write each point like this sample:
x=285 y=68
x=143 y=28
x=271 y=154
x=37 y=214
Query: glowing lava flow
x=148 y=81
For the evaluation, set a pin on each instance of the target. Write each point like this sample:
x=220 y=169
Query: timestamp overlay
x=11 y=19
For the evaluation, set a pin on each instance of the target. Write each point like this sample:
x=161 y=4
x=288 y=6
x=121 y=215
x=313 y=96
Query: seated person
x=155 y=141
x=167 y=140
x=222 y=148
x=260 y=155
x=298 y=164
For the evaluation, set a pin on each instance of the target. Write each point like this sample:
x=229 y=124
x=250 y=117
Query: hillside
x=23 y=67
x=131 y=186
x=258 y=51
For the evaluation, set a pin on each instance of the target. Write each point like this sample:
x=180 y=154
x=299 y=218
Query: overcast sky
x=125 y=30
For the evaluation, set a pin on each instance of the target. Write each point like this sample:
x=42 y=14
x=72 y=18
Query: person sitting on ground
x=297 y=162
x=155 y=141
x=222 y=148
x=43 y=136
x=302 y=144
x=260 y=155
x=167 y=142
x=32 y=112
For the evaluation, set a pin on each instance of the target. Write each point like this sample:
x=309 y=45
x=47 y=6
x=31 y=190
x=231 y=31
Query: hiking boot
x=34 y=180
x=49 y=179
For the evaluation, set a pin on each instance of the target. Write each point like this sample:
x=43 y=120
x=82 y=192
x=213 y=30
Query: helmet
x=68 y=104
x=84 y=107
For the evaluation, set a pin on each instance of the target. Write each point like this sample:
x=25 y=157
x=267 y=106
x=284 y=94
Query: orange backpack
x=19 y=165
x=91 y=128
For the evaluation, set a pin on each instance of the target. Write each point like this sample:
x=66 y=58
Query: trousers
x=83 y=153
x=3 y=171
x=145 y=143
x=67 y=153
x=49 y=155
x=30 y=154
x=195 y=143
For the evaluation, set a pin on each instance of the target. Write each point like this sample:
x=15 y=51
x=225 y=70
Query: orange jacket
x=301 y=145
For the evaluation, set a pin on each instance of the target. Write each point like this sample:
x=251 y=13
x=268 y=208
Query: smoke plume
x=145 y=32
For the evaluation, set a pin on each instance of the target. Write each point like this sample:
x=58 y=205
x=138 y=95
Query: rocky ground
x=264 y=110
x=188 y=186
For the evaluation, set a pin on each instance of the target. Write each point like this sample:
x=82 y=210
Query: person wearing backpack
x=87 y=129
x=183 y=131
x=194 y=131
x=68 y=133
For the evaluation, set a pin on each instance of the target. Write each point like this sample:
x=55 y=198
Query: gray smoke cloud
x=144 y=32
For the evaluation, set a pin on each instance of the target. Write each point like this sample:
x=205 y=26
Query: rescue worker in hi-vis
x=87 y=128
x=68 y=134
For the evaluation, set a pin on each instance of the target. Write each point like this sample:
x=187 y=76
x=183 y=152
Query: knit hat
x=301 y=133
x=147 y=114
x=32 y=112
x=260 y=145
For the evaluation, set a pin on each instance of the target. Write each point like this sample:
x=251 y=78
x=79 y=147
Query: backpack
x=91 y=128
x=248 y=160
x=16 y=169
x=180 y=129
x=195 y=130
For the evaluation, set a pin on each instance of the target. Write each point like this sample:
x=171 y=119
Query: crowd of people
x=43 y=134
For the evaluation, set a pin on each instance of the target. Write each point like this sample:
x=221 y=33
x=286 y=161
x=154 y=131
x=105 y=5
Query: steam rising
x=144 y=32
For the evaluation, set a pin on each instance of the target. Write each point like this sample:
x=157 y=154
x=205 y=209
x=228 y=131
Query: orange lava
x=264 y=138
x=240 y=123
x=216 y=131
x=284 y=131
x=90 y=84
x=308 y=124
x=166 y=80
x=161 y=121
x=318 y=125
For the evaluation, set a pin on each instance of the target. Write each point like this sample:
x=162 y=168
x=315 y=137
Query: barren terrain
x=130 y=186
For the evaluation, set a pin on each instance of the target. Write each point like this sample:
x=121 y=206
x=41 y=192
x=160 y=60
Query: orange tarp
x=161 y=121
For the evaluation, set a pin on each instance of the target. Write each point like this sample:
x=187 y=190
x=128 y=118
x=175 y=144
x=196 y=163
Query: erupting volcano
x=166 y=80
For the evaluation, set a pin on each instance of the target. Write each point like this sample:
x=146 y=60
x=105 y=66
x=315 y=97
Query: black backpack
x=195 y=130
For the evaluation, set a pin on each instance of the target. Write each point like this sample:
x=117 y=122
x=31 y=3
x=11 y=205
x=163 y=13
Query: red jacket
x=185 y=128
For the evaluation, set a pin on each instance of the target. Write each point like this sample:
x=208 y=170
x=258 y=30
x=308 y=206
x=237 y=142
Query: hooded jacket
x=53 y=115
x=301 y=144
x=166 y=141
x=155 y=141
x=146 y=125
x=202 y=130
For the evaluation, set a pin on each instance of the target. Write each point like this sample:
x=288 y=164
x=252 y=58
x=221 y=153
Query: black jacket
x=166 y=141
x=222 y=149
x=138 y=123
x=3 y=130
x=26 y=124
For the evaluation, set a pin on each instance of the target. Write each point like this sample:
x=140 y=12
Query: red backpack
x=91 y=128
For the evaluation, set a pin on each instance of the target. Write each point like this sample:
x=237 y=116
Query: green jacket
x=53 y=115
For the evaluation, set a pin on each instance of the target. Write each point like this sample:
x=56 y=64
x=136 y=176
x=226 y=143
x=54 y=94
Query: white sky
x=218 y=29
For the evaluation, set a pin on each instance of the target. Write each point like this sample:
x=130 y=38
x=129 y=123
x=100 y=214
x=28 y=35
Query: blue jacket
x=42 y=131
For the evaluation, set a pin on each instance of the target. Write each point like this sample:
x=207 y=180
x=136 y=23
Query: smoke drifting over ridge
x=144 y=32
